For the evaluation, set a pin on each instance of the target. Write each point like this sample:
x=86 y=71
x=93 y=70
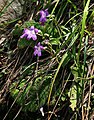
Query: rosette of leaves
x=31 y=95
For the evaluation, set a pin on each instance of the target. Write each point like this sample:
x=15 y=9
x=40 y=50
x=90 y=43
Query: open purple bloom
x=30 y=33
x=38 y=49
x=43 y=14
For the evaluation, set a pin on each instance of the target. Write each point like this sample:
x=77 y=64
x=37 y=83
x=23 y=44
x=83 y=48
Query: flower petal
x=39 y=53
x=36 y=30
x=38 y=44
x=46 y=12
x=29 y=36
x=43 y=19
x=34 y=37
x=22 y=36
x=41 y=12
x=35 y=52
x=32 y=28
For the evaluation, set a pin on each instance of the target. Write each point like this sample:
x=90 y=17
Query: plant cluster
x=50 y=61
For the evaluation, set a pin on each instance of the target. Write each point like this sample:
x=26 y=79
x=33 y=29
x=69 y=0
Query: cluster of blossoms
x=32 y=32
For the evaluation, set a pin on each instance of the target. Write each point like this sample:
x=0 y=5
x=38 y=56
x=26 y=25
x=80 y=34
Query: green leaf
x=22 y=43
x=74 y=71
x=73 y=97
x=63 y=98
x=17 y=31
x=86 y=10
x=55 y=41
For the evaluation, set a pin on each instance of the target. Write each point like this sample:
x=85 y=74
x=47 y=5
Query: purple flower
x=38 y=49
x=43 y=14
x=30 y=33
